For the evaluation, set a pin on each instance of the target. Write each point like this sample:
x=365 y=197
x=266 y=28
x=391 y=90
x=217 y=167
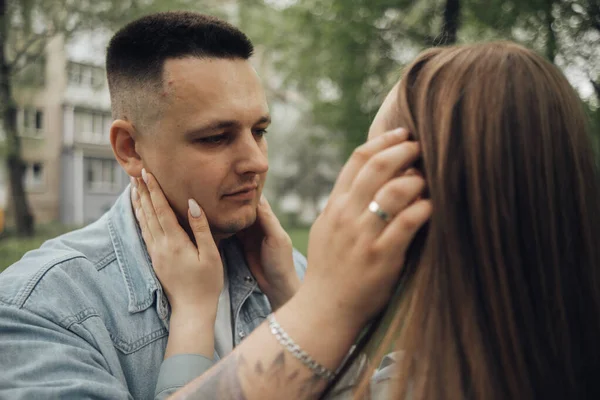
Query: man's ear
x=123 y=138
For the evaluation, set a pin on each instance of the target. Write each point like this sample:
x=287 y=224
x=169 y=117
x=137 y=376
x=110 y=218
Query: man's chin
x=230 y=228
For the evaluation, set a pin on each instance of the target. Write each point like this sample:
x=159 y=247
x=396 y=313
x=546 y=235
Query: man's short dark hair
x=137 y=53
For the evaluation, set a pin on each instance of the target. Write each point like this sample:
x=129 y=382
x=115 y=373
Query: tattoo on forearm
x=310 y=388
x=221 y=383
x=225 y=381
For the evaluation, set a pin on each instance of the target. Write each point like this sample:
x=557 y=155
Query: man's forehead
x=219 y=88
x=208 y=73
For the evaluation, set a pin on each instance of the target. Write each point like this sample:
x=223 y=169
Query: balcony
x=92 y=138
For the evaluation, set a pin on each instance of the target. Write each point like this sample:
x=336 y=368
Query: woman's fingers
x=391 y=200
x=139 y=213
x=380 y=169
x=398 y=234
x=165 y=216
x=148 y=209
x=268 y=220
x=199 y=226
x=363 y=154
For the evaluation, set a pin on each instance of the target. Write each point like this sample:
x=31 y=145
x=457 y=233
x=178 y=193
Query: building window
x=91 y=127
x=83 y=122
x=32 y=122
x=27 y=118
x=98 y=124
x=97 y=77
x=30 y=72
x=102 y=175
x=39 y=120
x=34 y=176
x=86 y=75
x=108 y=120
x=74 y=74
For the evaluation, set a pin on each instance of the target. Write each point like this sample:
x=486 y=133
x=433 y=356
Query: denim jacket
x=84 y=316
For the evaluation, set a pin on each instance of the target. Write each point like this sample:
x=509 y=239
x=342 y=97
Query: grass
x=299 y=238
x=12 y=248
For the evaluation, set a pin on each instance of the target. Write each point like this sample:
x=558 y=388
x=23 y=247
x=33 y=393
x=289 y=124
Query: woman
x=501 y=293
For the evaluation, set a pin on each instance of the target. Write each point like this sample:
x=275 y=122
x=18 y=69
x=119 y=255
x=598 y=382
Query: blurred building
x=64 y=122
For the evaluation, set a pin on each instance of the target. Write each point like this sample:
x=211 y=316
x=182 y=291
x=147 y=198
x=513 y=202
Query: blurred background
x=326 y=66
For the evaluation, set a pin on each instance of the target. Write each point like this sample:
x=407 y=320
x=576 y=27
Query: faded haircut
x=137 y=53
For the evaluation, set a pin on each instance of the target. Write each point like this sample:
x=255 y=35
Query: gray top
x=380 y=387
x=223 y=331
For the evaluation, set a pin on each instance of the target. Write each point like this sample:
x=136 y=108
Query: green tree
x=310 y=170
x=536 y=23
x=343 y=56
x=26 y=26
x=580 y=23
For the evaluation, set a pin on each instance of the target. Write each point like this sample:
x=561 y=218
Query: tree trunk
x=14 y=162
x=451 y=22
x=596 y=86
x=551 y=44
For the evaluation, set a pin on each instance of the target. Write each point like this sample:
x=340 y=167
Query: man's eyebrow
x=265 y=119
x=218 y=125
x=212 y=126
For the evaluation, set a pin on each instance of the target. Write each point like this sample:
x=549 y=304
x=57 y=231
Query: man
x=85 y=316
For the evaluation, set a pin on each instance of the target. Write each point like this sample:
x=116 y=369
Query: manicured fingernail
x=144 y=175
x=137 y=213
x=262 y=199
x=134 y=181
x=135 y=196
x=194 y=208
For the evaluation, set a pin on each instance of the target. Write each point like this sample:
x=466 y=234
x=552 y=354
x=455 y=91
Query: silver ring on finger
x=376 y=209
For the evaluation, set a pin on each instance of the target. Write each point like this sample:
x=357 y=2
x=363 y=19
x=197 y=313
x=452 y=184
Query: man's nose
x=252 y=155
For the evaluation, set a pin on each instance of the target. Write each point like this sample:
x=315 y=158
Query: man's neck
x=217 y=237
x=217 y=240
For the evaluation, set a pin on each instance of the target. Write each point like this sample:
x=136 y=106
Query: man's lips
x=243 y=191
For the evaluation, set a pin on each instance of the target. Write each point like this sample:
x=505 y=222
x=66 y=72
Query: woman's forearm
x=261 y=368
x=285 y=291
x=191 y=333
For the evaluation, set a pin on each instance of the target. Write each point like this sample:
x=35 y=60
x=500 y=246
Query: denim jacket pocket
x=133 y=344
x=140 y=330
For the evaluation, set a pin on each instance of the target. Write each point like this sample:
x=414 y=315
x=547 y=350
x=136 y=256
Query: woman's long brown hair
x=505 y=300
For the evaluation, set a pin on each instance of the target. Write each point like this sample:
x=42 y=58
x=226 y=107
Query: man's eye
x=260 y=132
x=217 y=139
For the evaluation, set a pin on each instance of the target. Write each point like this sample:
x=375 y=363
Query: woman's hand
x=354 y=255
x=191 y=275
x=354 y=259
x=268 y=250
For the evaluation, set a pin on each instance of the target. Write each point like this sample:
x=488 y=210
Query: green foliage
x=594 y=116
x=343 y=56
x=26 y=27
x=32 y=23
x=12 y=248
x=299 y=238
x=339 y=56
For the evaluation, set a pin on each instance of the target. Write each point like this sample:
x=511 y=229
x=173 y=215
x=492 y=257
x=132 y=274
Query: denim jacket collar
x=133 y=258
x=134 y=262
x=241 y=280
